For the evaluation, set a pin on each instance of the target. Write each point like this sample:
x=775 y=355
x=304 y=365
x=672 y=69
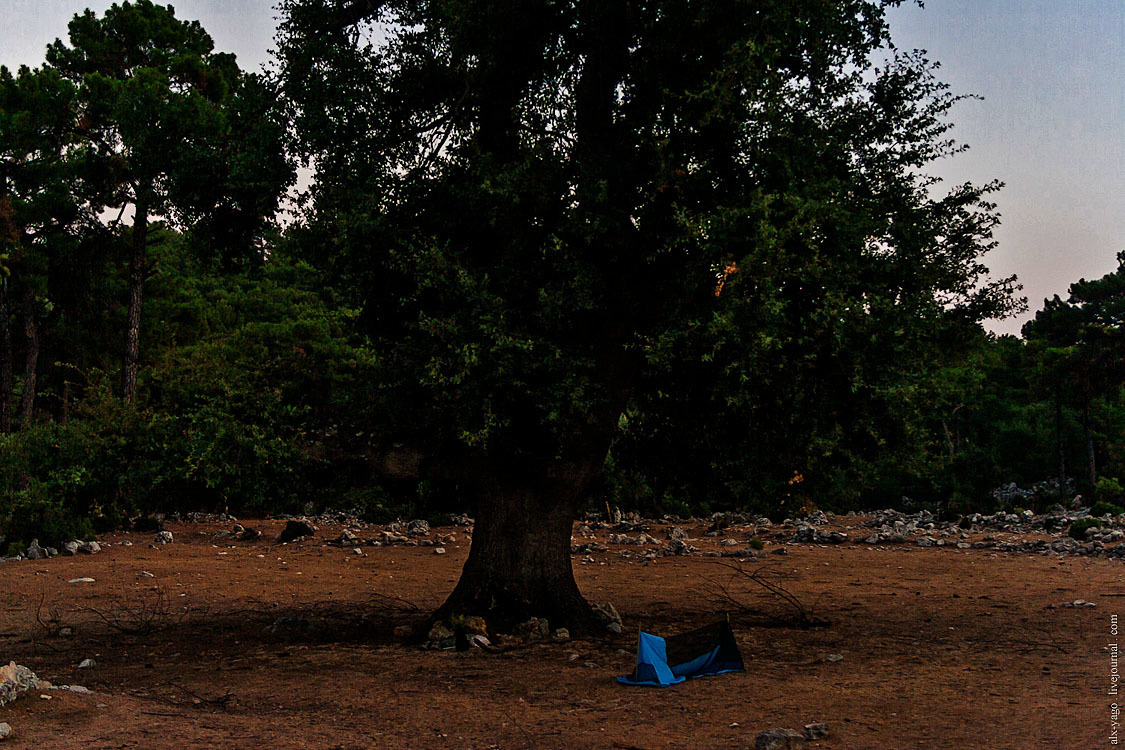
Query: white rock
x=81 y=580
x=87 y=664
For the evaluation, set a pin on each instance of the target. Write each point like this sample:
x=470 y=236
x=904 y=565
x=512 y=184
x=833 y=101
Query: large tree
x=172 y=130
x=41 y=215
x=538 y=201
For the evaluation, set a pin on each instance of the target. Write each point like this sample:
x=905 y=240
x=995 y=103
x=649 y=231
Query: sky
x=1050 y=123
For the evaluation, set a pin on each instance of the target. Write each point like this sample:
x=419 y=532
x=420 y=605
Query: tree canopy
x=537 y=204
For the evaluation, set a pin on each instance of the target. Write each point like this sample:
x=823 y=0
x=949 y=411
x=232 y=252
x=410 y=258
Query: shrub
x=1078 y=528
x=1108 y=490
x=1102 y=508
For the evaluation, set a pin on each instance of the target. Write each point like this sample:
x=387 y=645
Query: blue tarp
x=707 y=651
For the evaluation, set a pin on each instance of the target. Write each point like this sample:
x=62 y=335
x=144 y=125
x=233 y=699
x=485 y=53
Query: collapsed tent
x=699 y=653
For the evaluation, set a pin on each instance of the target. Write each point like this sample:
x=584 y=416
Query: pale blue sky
x=1051 y=125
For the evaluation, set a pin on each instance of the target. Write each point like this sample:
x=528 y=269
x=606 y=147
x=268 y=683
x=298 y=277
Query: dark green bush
x=1102 y=508
x=1078 y=528
x=1108 y=491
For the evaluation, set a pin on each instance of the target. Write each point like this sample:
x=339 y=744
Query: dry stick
x=220 y=701
x=759 y=577
x=142 y=618
x=53 y=618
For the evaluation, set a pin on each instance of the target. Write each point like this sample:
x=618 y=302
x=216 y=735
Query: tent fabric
x=667 y=661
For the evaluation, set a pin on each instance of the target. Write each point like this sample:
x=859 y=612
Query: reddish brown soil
x=942 y=648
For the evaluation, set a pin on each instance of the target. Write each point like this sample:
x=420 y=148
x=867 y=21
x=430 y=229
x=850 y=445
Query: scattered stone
x=535 y=629
x=439 y=550
x=145 y=574
x=390 y=539
x=817 y=518
x=5 y=730
x=70 y=549
x=816 y=731
x=614 y=627
x=162 y=537
x=676 y=533
x=418 y=527
x=76 y=689
x=440 y=636
x=87 y=664
x=250 y=535
x=81 y=580
x=346 y=539
x=357 y=551
x=679 y=547
x=476 y=640
x=1079 y=604
x=89 y=548
x=833 y=658
x=34 y=551
x=51 y=551
x=295 y=530
x=779 y=739
x=560 y=635
x=66 y=631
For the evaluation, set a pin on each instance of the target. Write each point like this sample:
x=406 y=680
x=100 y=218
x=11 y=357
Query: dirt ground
x=941 y=647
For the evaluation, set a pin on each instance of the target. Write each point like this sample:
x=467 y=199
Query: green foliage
x=1078 y=529
x=1102 y=508
x=1108 y=490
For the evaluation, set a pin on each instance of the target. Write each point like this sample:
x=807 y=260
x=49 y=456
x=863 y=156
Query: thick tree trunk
x=1059 y=443
x=519 y=562
x=31 y=361
x=1091 y=465
x=6 y=379
x=136 y=291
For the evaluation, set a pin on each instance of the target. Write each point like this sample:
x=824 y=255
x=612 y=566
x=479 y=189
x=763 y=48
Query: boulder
x=295 y=530
x=535 y=629
x=779 y=739
x=89 y=548
x=15 y=680
x=607 y=615
x=346 y=539
x=162 y=537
